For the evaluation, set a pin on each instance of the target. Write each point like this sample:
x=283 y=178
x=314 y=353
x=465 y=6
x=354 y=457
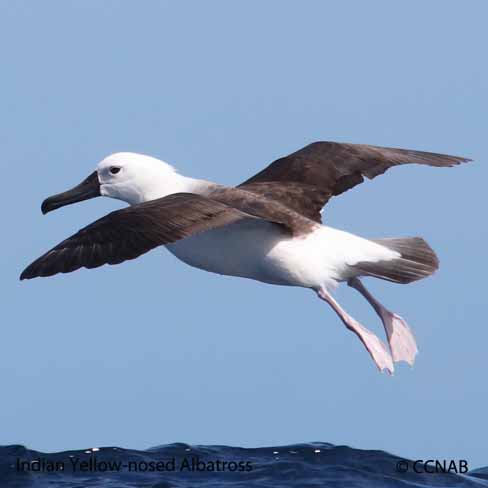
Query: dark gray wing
x=128 y=233
x=308 y=178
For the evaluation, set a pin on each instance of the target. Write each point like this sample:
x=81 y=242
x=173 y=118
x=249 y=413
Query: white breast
x=239 y=249
x=262 y=251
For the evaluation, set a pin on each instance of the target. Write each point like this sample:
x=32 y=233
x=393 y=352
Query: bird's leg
x=378 y=350
x=402 y=342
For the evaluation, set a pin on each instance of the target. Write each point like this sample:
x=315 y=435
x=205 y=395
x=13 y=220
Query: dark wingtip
x=461 y=160
x=32 y=271
x=26 y=274
x=45 y=207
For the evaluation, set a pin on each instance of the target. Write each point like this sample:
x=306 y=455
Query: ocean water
x=180 y=465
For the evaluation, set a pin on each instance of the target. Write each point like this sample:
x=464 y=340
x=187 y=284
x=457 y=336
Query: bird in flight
x=268 y=228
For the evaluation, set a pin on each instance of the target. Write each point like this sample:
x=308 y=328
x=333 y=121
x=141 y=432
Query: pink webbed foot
x=376 y=348
x=374 y=345
x=400 y=337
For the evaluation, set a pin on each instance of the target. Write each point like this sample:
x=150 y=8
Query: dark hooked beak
x=88 y=188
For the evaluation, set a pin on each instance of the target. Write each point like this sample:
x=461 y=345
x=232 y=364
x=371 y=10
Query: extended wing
x=128 y=233
x=308 y=178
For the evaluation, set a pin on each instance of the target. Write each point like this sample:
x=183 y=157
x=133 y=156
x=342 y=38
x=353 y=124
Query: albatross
x=268 y=228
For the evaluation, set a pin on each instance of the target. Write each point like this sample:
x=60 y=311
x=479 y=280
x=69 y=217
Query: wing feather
x=126 y=234
x=308 y=178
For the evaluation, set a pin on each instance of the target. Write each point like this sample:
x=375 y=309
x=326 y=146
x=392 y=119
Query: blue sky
x=152 y=351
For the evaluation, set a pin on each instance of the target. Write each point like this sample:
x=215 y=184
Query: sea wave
x=179 y=465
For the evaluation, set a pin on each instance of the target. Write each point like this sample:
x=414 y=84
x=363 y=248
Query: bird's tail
x=417 y=261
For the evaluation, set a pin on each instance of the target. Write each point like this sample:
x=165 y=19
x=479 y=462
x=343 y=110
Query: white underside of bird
x=258 y=250
x=319 y=260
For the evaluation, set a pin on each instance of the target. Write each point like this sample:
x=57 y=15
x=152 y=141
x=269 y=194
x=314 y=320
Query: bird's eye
x=114 y=169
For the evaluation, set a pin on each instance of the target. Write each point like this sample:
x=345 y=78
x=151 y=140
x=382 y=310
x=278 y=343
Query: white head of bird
x=136 y=178
x=131 y=177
